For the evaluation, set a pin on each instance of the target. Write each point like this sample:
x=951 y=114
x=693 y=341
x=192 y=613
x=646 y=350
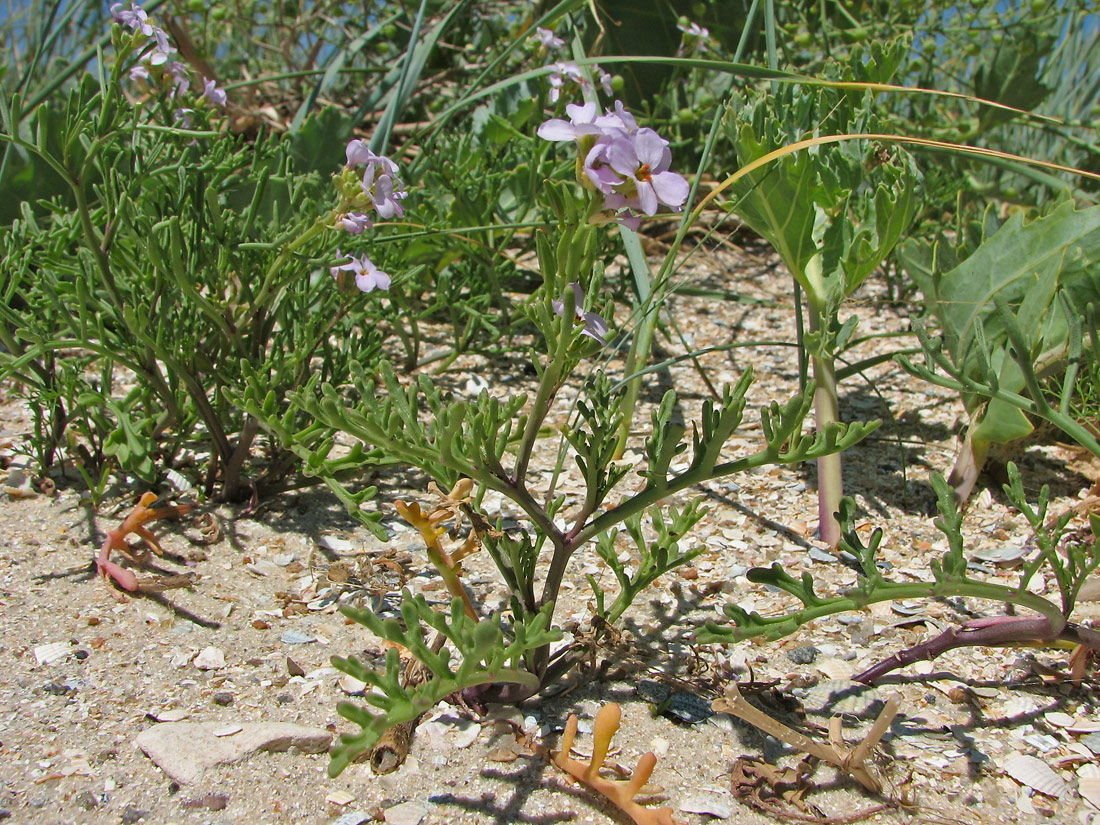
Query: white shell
x=44 y=654
x=1036 y=774
x=1089 y=789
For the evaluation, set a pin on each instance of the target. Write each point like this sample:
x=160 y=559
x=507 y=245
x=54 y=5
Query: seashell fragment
x=1036 y=774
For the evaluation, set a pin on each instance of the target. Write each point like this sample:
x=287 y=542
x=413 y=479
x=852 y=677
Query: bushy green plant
x=174 y=294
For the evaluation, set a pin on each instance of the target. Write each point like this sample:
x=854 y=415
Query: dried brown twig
x=836 y=752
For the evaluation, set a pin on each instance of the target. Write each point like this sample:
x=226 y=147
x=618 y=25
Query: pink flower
x=548 y=40
x=181 y=79
x=368 y=277
x=212 y=93
x=569 y=72
x=162 y=50
x=644 y=158
x=628 y=166
x=594 y=324
x=354 y=222
x=695 y=38
x=385 y=192
x=133 y=18
x=582 y=121
x=358 y=153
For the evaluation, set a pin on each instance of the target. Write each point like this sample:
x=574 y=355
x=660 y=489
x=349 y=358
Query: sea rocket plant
x=157 y=64
x=133 y=18
x=695 y=38
x=627 y=165
x=379 y=190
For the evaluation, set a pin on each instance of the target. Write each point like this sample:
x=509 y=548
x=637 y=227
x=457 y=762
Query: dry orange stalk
x=428 y=525
x=133 y=523
x=620 y=792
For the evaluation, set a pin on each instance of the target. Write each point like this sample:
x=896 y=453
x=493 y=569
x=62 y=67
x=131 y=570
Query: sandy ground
x=82 y=675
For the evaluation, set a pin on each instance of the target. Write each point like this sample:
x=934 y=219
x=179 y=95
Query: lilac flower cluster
x=379 y=189
x=548 y=40
x=159 y=59
x=567 y=72
x=628 y=165
x=696 y=38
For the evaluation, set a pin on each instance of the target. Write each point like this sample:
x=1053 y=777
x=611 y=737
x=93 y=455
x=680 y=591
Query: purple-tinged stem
x=989 y=632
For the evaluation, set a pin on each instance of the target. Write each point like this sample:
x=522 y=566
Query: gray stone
x=184 y=750
x=353 y=818
x=711 y=804
x=407 y=813
x=296 y=637
x=803 y=655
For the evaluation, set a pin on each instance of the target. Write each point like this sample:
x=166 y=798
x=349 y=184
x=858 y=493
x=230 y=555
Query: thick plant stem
x=830 y=482
x=549 y=385
x=990 y=632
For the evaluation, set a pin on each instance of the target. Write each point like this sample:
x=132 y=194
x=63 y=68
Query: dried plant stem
x=392 y=747
x=850 y=762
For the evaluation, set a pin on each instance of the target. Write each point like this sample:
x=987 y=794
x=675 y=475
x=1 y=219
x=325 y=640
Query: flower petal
x=672 y=189
x=557 y=129
x=650 y=148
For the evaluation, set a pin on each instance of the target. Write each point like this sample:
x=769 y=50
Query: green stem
x=779 y=627
x=548 y=387
x=94 y=241
x=262 y=297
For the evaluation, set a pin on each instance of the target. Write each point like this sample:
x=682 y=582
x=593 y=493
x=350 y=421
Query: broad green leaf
x=1060 y=245
x=1025 y=265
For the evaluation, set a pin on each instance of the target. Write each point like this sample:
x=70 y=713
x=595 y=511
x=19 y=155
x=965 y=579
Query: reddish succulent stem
x=988 y=632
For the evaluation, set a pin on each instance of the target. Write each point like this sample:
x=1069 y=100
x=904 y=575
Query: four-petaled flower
x=627 y=165
x=380 y=188
x=355 y=222
x=133 y=18
x=368 y=277
x=163 y=51
x=548 y=40
x=594 y=324
x=695 y=38
x=643 y=159
x=212 y=93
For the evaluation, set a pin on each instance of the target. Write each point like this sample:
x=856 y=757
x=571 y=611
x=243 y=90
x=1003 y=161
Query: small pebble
x=210 y=658
x=353 y=818
x=1092 y=742
x=803 y=655
x=86 y=800
x=223 y=698
x=296 y=637
x=130 y=815
x=81 y=655
x=407 y=813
